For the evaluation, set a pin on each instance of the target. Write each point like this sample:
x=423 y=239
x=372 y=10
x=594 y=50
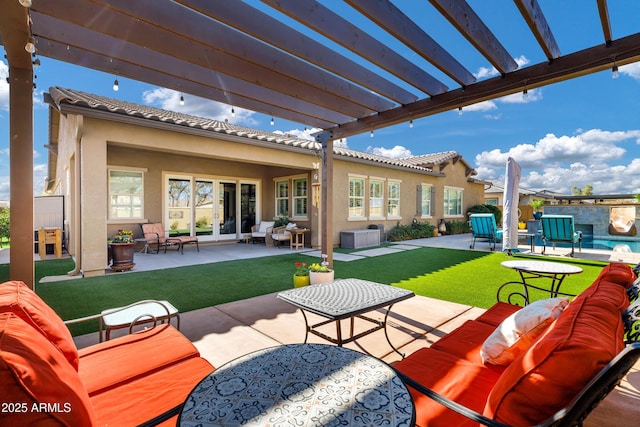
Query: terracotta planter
x=316 y=277
x=122 y=256
x=300 y=281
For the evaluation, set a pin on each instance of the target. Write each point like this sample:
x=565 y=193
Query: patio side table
x=532 y=270
x=345 y=299
x=145 y=312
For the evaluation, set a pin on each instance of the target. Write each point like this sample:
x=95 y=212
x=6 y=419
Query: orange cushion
x=34 y=372
x=16 y=297
x=144 y=398
x=619 y=273
x=110 y=363
x=460 y=380
x=497 y=313
x=586 y=336
x=465 y=342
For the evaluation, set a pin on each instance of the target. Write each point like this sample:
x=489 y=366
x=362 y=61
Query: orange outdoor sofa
x=546 y=364
x=127 y=381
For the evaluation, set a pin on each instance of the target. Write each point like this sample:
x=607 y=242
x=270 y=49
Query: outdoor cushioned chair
x=154 y=233
x=283 y=233
x=259 y=231
x=560 y=229
x=483 y=226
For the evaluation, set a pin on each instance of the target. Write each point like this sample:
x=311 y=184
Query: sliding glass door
x=212 y=209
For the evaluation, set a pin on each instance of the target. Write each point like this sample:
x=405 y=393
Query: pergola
x=233 y=52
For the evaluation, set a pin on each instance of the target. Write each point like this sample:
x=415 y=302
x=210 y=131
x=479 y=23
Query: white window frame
x=376 y=203
x=447 y=199
x=391 y=200
x=352 y=213
x=426 y=189
x=291 y=197
x=279 y=198
x=118 y=219
x=295 y=197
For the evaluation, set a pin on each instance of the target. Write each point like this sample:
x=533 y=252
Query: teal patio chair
x=483 y=226
x=560 y=229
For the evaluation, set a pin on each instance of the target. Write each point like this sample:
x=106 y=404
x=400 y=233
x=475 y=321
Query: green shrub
x=487 y=209
x=5 y=220
x=458 y=227
x=174 y=225
x=202 y=222
x=415 y=230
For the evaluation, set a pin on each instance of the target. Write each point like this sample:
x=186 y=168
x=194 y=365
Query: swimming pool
x=588 y=242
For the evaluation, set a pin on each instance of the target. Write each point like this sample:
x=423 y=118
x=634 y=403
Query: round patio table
x=531 y=270
x=300 y=385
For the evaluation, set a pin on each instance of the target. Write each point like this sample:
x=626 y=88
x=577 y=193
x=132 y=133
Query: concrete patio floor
x=227 y=331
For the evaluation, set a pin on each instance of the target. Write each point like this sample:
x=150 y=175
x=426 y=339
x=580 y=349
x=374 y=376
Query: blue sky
x=582 y=131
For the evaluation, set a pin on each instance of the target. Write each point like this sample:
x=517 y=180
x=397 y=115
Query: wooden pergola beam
x=624 y=51
x=533 y=15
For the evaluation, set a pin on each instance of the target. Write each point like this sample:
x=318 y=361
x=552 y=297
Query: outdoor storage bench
x=548 y=363
x=129 y=380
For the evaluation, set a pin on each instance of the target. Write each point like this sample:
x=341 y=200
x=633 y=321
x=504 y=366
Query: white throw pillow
x=517 y=332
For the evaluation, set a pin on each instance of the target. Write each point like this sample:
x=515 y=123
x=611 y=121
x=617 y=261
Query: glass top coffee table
x=300 y=385
x=345 y=299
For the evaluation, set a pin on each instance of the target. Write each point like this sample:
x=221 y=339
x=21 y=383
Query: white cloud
x=170 y=100
x=561 y=162
x=397 y=152
x=492 y=71
x=632 y=70
x=480 y=106
x=4 y=86
x=533 y=95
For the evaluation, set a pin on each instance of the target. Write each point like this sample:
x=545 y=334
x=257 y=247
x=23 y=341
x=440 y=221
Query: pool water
x=588 y=242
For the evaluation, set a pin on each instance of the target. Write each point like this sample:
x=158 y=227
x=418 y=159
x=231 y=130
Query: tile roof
x=424 y=163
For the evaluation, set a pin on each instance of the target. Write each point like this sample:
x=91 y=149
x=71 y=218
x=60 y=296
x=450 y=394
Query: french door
x=212 y=209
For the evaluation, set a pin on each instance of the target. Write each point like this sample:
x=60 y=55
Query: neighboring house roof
x=431 y=164
x=498 y=188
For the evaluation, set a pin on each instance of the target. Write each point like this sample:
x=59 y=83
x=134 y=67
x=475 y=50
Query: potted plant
x=320 y=272
x=301 y=276
x=536 y=205
x=122 y=248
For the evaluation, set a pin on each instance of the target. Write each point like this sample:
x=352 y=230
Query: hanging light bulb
x=525 y=94
x=459 y=111
x=411 y=124
x=371 y=134
x=31 y=45
x=614 y=71
x=272 y=122
x=181 y=100
x=233 y=112
x=25 y=3
x=116 y=86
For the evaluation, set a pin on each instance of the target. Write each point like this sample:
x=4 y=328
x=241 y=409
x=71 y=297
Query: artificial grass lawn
x=465 y=277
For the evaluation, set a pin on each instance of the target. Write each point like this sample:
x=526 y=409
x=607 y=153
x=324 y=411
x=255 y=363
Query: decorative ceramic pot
x=317 y=277
x=300 y=281
x=122 y=256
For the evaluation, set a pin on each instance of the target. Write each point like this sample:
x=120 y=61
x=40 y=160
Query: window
x=376 y=199
x=126 y=194
x=393 y=199
x=300 y=197
x=356 y=197
x=282 y=198
x=492 y=202
x=425 y=200
x=452 y=202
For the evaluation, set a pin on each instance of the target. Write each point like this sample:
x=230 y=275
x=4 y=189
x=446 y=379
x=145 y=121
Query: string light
x=181 y=100
x=31 y=45
x=614 y=71
x=272 y=122
x=459 y=111
x=116 y=86
x=233 y=112
x=525 y=94
x=371 y=133
x=411 y=124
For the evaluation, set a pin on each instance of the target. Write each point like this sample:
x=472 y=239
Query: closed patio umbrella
x=510 y=207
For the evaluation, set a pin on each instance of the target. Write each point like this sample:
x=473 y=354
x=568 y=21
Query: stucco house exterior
x=120 y=164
